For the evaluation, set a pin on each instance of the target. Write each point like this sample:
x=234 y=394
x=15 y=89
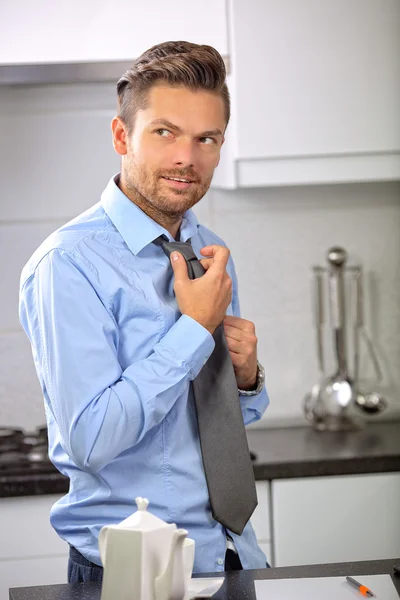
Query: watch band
x=259 y=382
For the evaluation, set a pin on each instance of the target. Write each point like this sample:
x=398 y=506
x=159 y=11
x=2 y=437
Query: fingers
x=239 y=336
x=239 y=323
x=179 y=267
x=206 y=262
x=233 y=333
x=219 y=254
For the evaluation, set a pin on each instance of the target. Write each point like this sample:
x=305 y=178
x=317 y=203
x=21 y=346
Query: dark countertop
x=35 y=483
x=281 y=453
x=238 y=585
x=304 y=452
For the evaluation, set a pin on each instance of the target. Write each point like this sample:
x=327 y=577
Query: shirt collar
x=137 y=228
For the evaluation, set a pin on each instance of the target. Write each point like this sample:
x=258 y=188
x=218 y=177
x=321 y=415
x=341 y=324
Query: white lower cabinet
x=266 y=547
x=31 y=553
x=33 y=571
x=261 y=519
x=336 y=519
x=297 y=521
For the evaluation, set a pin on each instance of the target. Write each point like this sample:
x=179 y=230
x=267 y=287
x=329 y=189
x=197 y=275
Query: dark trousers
x=81 y=570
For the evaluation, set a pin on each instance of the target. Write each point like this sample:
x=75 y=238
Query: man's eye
x=163 y=132
x=207 y=140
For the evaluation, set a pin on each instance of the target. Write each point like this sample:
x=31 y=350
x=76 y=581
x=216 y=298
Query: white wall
x=56 y=157
x=275 y=236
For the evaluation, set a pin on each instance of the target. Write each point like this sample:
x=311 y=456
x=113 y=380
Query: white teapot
x=143 y=558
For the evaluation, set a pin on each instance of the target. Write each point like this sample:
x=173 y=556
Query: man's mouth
x=179 y=182
x=184 y=180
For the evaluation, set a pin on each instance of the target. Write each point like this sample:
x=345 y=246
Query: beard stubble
x=151 y=194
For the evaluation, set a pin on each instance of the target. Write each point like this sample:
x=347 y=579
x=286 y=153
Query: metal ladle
x=337 y=392
x=326 y=406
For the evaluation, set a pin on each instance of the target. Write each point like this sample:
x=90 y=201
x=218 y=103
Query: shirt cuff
x=253 y=407
x=190 y=343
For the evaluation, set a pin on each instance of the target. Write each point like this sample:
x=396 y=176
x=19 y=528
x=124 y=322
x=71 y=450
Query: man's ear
x=119 y=136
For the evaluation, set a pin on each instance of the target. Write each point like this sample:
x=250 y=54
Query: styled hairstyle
x=180 y=64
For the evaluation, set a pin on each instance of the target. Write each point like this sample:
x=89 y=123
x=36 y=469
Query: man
x=120 y=333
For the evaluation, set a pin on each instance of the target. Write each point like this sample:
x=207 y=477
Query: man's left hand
x=242 y=344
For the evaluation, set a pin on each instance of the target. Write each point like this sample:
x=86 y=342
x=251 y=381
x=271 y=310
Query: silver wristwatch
x=259 y=382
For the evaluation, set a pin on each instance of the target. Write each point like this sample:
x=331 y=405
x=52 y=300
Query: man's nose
x=184 y=153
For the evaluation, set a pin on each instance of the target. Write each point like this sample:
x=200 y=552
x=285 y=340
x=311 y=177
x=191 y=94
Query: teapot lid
x=142 y=519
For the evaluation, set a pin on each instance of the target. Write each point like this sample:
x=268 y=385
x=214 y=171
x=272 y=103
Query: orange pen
x=361 y=588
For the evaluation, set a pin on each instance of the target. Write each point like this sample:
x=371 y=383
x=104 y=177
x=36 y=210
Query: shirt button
x=220 y=561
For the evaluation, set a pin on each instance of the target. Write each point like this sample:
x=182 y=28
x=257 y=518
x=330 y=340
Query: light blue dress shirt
x=115 y=359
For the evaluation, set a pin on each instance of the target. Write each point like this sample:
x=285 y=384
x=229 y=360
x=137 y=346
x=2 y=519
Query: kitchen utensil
x=313 y=408
x=337 y=402
x=369 y=402
x=330 y=403
x=337 y=392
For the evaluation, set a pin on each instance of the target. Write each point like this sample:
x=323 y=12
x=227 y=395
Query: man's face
x=179 y=135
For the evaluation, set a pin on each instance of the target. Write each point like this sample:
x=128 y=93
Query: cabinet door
x=317 y=91
x=261 y=516
x=40 y=31
x=266 y=547
x=316 y=78
x=21 y=573
x=336 y=519
x=25 y=528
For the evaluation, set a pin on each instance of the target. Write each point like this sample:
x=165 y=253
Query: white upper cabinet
x=39 y=31
x=315 y=85
x=316 y=88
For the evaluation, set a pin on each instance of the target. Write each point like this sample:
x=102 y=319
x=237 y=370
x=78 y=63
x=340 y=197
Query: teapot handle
x=103 y=533
x=171 y=584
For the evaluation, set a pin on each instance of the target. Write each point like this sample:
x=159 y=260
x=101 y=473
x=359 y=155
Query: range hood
x=67 y=72
x=49 y=73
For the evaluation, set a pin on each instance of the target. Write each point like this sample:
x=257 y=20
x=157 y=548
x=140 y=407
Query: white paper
x=326 y=588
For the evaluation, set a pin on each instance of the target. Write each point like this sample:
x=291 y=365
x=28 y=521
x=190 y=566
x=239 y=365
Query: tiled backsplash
x=59 y=159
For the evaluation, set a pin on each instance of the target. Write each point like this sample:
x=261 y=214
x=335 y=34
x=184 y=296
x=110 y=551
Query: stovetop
x=24 y=451
x=25 y=467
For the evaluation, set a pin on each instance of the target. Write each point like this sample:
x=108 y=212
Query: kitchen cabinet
x=315 y=85
x=316 y=90
x=34 y=571
x=42 y=32
x=31 y=553
x=261 y=518
x=336 y=519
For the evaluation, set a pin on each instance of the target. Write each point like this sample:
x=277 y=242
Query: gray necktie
x=226 y=456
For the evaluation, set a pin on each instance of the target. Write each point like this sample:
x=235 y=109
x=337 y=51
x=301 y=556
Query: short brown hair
x=181 y=64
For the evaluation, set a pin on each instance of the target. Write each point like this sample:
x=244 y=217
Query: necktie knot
x=195 y=268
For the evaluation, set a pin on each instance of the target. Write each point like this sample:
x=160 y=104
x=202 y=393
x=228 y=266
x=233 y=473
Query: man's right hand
x=204 y=299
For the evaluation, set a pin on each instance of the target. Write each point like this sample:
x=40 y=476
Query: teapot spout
x=171 y=584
